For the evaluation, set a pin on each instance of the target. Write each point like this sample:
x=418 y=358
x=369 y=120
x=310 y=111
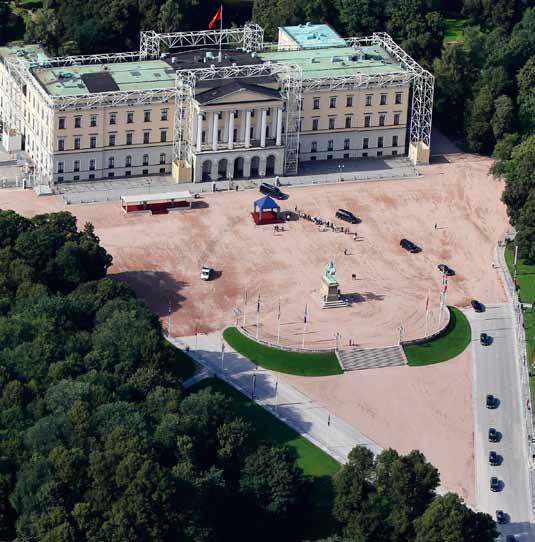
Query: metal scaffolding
x=249 y=38
x=290 y=78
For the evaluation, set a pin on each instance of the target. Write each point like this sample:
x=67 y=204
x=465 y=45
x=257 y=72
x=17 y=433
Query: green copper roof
x=312 y=35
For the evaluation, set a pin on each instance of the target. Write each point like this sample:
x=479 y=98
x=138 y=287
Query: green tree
x=525 y=227
x=361 y=17
x=526 y=96
x=503 y=118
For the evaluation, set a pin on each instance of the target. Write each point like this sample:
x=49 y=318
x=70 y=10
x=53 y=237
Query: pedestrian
x=435 y=225
x=353 y=276
x=345 y=251
x=236 y=188
x=355 y=237
x=296 y=208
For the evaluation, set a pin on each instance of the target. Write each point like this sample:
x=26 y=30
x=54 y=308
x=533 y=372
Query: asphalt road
x=496 y=372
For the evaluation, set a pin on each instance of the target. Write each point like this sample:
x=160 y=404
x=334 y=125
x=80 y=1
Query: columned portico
x=231 y=130
x=199 y=131
x=263 y=128
x=279 y=126
x=215 y=120
x=248 y=128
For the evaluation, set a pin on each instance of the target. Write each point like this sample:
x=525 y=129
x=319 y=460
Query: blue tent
x=266 y=203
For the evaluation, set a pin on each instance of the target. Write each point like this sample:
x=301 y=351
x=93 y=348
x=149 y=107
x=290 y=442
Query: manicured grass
x=451 y=343
x=529 y=328
x=525 y=275
x=267 y=429
x=184 y=366
x=454 y=30
x=293 y=363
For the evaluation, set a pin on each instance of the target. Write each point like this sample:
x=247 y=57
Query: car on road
x=494 y=436
x=348 y=216
x=501 y=517
x=446 y=270
x=495 y=484
x=477 y=305
x=410 y=246
x=206 y=272
x=494 y=459
x=484 y=339
x=492 y=402
x=271 y=190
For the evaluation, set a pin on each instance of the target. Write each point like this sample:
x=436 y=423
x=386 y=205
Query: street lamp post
x=340 y=169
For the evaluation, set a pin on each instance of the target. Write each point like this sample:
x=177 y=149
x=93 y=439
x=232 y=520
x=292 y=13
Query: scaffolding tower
x=290 y=78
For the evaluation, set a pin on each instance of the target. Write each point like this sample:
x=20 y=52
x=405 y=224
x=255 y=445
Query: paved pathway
x=309 y=418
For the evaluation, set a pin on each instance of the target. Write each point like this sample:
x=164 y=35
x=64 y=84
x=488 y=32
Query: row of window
x=368 y=100
x=236 y=113
x=76 y=164
x=252 y=131
x=112 y=140
x=112 y=118
x=349 y=121
x=347 y=155
x=347 y=144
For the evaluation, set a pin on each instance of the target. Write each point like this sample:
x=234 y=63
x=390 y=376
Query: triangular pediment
x=236 y=92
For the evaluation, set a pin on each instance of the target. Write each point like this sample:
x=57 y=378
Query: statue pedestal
x=329 y=289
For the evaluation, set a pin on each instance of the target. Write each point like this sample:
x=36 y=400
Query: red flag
x=217 y=17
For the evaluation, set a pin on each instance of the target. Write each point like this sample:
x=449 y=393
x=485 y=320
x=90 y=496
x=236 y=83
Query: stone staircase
x=335 y=304
x=371 y=358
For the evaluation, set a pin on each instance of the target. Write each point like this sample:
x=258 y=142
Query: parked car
x=206 y=272
x=492 y=402
x=494 y=459
x=477 y=305
x=348 y=216
x=501 y=517
x=271 y=190
x=495 y=484
x=484 y=339
x=494 y=436
x=410 y=246
x=445 y=269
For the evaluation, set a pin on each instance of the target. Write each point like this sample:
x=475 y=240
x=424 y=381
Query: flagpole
x=220 y=32
x=244 y=309
x=304 y=327
x=257 y=316
x=426 y=312
x=279 y=323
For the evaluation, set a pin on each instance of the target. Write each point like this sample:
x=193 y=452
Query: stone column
x=215 y=120
x=248 y=129
x=263 y=128
x=199 y=132
x=279 y=126
x=231 y=130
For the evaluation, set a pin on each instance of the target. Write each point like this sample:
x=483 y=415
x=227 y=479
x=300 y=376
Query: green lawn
x=293 y=363
x=451 y=343
x=454 y=30
x=268 y=429
x=529 y=327
x=525 y=276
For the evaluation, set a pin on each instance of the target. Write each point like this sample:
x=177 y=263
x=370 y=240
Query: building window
x=77 y=122
x=346 y=155
x=77 y=143
x=113 y=118
x=61 y=144
x=111 y=140
x=146 y=116
x=61 y=167
x=316 y=103
x=380 y=142
x=394 y=141
x=331 y=123
x=252 y=113
x=394 y=153
x=91 y=176
x=162 y=158
x=346 y=144
x=329 y=157
x=315 y=124
x=367 y=121
x=93 y=142
x=111 y=174
x=219 y=136
x=396 y=118
x=251 y=133
x=93 y=121
x=236 y=114
x=268 y=111
x=145 y=172
x=204 y=115
x=130 y=117
x=330 y=145
x=398 y=97
x=145 y=159
x=111 y=162
x=267 y=131
x=379 y=154
x=365 y=143
x=203 y=137
x=332 y=102
x=76 y=165
x=163 y=115
x=146 y=137
x=127 y=173
x=129 y=136
x=92 y=164
x=128 y=161
x=235 y=134
x=364 y=155
x=349 y=101
x=61 y=124
x=163 y=136
x=313 y=158
x=348 y=122
x=368 y=99
x=314 y=146
x=381 y=120
x=220 y=115
x=383 y=99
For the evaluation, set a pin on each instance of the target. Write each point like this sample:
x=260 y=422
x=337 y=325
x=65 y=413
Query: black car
x=494 y=436
x=271 y=190
x=410 y=246
x=495 y=484
x=445 y=269
x=501 y=518
x=484 y=339
x=492 y=402
x=494 y=459
x=348 y=216
x=477 y=305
